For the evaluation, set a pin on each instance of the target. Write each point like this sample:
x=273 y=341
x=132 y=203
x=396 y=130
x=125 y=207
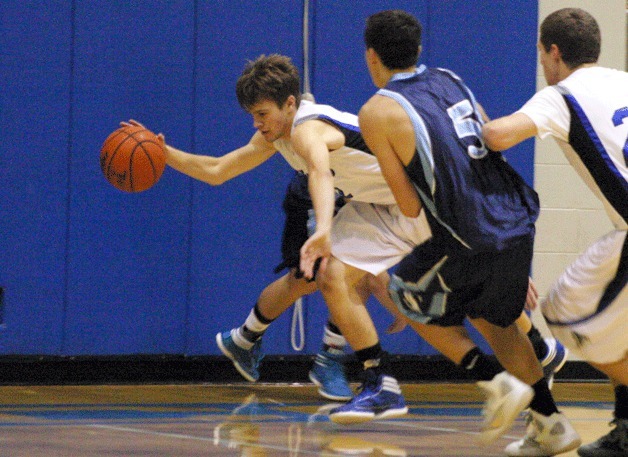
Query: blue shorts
x=439 y=285
x=296 y=205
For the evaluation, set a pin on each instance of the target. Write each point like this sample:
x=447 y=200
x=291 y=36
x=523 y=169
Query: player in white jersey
x=585 y=109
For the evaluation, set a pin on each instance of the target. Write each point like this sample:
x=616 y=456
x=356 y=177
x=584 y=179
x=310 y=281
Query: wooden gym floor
x=245 y=419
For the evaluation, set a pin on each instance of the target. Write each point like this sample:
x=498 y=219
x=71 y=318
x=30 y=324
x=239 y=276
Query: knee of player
x=377 y=284
x=329 y=282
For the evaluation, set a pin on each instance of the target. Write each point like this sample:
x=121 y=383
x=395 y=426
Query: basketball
x=132 y=158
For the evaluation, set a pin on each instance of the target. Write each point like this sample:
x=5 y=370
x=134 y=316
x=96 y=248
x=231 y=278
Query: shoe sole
x=226 y=352
x=490 y=435
x=575 y=443
x=326 y=395
x=359 y=418
x=513 y=451
x=558 y=367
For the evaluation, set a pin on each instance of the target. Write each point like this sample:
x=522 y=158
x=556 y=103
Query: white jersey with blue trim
x=356 y=170
x=587 y=114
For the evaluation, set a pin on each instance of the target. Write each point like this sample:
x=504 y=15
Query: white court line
x=408 y=424
x=224 y=443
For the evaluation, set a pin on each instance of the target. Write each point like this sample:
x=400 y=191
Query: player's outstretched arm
x=508 y=131
x=217 y=170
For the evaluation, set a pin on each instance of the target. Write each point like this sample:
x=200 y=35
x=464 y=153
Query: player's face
x=549 y=64
x=272 y=121
x=372 y=64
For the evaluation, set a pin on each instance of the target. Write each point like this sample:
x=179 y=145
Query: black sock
x=333 y=330
x=543 y=402
x=621 y=402
x=538 y=343
x=479 y=366
x=252 y=335
x=373 y=358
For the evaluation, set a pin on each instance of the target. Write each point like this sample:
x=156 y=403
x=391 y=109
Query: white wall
x=571 y=217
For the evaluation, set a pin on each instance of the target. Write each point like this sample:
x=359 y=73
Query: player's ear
x=554 y=51
x=371 y=55
x=291 y=101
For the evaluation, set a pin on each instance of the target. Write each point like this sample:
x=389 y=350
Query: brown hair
x=273 y=77
x=576 y=34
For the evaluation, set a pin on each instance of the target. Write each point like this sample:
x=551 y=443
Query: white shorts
x=374 y=237
x=572 y=307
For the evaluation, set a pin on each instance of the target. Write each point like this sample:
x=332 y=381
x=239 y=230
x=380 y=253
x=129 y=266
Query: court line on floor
x=214 y=441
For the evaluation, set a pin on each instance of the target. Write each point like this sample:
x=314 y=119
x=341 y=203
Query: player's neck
x=389 y=74
x=565 y=71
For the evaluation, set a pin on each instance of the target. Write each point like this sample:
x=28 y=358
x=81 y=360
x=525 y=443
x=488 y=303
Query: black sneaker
x=614 y=444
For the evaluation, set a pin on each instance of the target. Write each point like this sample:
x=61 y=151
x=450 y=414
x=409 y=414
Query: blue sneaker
x=328 y=374
x=245 y=361
x=380 y=398
x=556 y=357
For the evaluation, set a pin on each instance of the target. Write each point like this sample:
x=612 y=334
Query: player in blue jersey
x=424 y=126
x=585 y=109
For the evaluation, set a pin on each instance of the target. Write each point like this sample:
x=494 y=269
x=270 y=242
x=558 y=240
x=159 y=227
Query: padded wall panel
x=128 y=257
x=35 y=70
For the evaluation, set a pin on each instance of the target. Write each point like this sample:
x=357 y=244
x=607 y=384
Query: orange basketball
x=132 y=158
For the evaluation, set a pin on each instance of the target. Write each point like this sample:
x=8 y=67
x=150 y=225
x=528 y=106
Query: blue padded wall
x=35 y=81
x=128 y=256
x=90 y=270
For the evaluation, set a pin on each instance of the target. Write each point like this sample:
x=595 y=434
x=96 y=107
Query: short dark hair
x=395 y=36
x=273 y=77
x=576 y=34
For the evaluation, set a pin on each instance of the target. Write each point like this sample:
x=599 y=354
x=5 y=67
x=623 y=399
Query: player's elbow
x=410 y=209
x=494 y=137
x=212 y=173
x=500 y=135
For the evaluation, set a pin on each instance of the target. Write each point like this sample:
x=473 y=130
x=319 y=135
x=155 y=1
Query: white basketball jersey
x=587 y=114
x=356 y=170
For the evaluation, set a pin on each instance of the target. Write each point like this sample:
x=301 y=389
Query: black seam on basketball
x=131 y=167
x=106 y=166
x=150 y=157
x=133 y=134
x=139 y=145
x=116 y=152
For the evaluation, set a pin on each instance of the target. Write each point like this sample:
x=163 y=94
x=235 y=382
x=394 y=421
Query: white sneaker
x=506 y=398
x=545 y=436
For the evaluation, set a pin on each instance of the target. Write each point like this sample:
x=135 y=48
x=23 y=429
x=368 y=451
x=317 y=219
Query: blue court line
x=253 y=411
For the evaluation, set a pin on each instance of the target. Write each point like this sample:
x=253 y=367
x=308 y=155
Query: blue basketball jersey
x=472 y=194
